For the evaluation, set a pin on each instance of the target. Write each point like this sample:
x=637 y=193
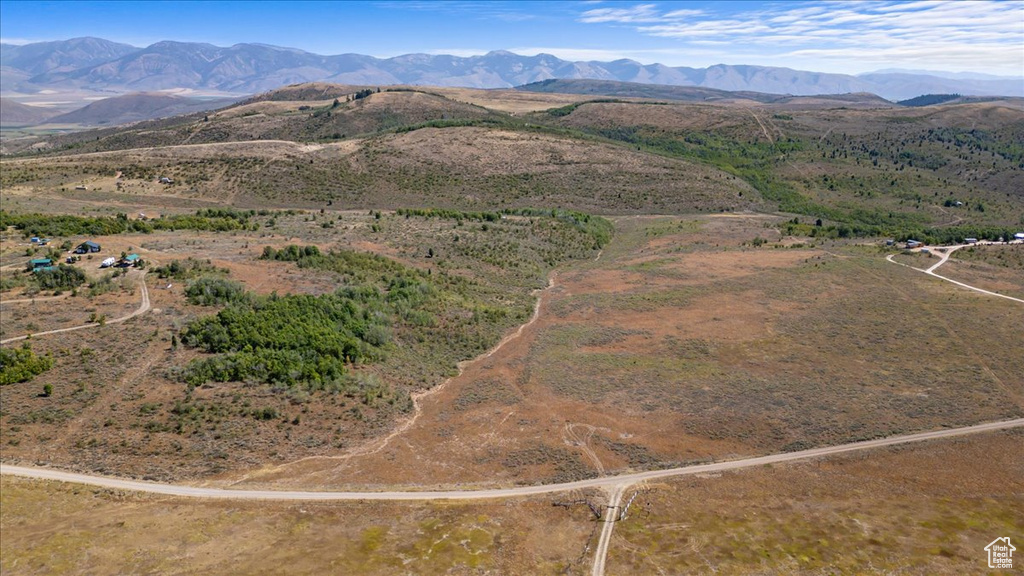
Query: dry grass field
x=996 y=268
x=466 y=167
x=684 y=343
x=922 y=509
x=53 y=528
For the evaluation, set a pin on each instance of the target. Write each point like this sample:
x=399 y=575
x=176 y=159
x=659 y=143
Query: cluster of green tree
x=754 y=163
x=213 y=219
x=300 y=339
x=455 y=123
x=977 y=141
x=186 y=269
x=955 y=234
x=22 y=364
x=356 y=268
x=290 y=253
x=928 y=99
x=600 y=229
x=63 y=277
x=360 y=94
x=449 y=214
x=928 y=235
x=213 y=291
x=68 y=225
x=570 y=108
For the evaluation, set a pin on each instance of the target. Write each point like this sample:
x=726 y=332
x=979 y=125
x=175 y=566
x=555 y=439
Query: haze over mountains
x=97 y=65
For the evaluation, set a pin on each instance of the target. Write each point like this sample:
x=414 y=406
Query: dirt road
x=611 y=516
x=143 y=308
x=609 y=482
x=946 y=252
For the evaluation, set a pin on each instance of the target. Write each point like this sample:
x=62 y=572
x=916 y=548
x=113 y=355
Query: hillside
x=135 y=107
x=880 y=169
x=295 y=113
x=696 y=94
x=636 y=90
x=14 y=113
x=860 y=166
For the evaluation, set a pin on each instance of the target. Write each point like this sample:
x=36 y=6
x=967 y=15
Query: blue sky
x=839 y=36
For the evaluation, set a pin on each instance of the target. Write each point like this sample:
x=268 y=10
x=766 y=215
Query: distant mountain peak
x=247 y=68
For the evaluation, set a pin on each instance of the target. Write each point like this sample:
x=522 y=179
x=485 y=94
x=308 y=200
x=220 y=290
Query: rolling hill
x=854 y=161
x=14 y=113
x=135 y=107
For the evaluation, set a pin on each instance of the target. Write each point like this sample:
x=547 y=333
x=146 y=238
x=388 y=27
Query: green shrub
x=210 y=291
x=21 y=364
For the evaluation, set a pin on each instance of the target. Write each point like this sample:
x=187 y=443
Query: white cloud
x=638 y=13
x=982 y=35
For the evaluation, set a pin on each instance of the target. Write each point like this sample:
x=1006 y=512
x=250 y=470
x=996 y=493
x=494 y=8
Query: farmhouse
x=87 y=247
x=130 y=260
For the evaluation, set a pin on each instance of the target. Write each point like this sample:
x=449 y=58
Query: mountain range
x=97 y=65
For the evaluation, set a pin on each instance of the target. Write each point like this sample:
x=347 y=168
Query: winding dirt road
x=144 y=307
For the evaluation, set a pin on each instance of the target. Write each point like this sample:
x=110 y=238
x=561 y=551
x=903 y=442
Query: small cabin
x=1018 y=236
x=130 y=261
x=971 y=240
x=913 y=243
x=87 y=247
x=39 y=264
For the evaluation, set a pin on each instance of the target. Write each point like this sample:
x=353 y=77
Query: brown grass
x=921 y=509
x=684 y=344
x=53 y=528
x=994 y=268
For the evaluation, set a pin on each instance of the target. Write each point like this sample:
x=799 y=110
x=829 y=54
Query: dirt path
x=610 y=517
x=946 y=252
x=610 y=483
x=761 y=124
x=27 y=300
x=144 y=307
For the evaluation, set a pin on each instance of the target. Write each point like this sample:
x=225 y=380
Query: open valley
x=577 y=327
